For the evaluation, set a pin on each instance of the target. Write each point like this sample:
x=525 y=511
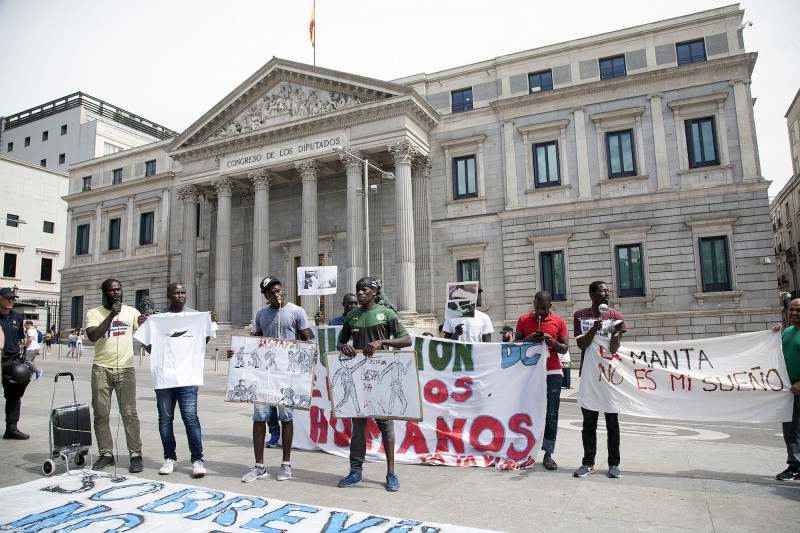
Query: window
x=714 y=265
x=540 y=81
x=552 y=272
x=110 y=149
x=630 y=270
x=469 y=270
x=796 y=164
x=117 y=178
x=140 y=295
x=621 y=156
x=10 y=147
x=462 y=100
x=27 y=141
x=701 y=142
x=545 y=164
x=46 y=273
x=612 y=67
x=87 y=183
x=792 y=135
x=43 y=163
x=62 y=158
x=82 y=239
x=691 y=52
x=76 y=312
x=114 y=225
x=150 y=168
x=9 y=265
x=49 y=227
x=45 y=135
x=146 y=228
x=464 y=182
x=12 y=220
x=64 y=129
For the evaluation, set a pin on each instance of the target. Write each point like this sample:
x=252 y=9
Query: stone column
x=130 y=223
x=355 y=220
x=189 y=195
x=659 y=141
x=70 y=240
x=420 y=180
x=744 y=110
x=510 y=164
x=97 y=248
x=222 y=262
x=309 y=233
x=260 y=179
x=584 y=176
x=404 y=257
x=163 y=222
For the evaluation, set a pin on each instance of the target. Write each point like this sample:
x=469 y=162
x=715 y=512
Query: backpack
x=40 y=337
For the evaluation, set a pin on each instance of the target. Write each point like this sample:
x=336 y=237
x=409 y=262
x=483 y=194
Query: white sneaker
x=285 y=473
x=169 y=466
x=257 y=472
x=198 y=468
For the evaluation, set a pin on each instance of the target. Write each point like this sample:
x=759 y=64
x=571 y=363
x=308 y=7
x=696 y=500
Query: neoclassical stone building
x=629 y=157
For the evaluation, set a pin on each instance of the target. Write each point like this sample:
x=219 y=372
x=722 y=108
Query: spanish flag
x=311 y=26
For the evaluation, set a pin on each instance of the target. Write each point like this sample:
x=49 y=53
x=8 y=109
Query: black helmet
x=19 y=373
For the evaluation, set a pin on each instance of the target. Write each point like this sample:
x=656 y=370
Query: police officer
x=13 y=389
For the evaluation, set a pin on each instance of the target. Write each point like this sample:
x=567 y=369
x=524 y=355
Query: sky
x=170 y=61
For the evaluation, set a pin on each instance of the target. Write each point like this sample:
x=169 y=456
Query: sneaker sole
x=282 y=478
x=198 y=475
x=349 y=484
x=264 y=475
x=160 y=473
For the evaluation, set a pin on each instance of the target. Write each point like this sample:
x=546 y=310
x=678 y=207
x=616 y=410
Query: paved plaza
x=676 y=476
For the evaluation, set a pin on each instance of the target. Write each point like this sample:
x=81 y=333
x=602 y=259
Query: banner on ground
x=483 y=405
x=737 y=378
x=105 y=503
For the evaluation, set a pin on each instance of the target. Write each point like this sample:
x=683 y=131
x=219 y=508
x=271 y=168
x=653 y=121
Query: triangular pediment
x=283 y=92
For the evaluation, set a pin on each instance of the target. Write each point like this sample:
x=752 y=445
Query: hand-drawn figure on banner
x=240 y=358
x=397 y=371
x=294 y=359
x=303 y=401
x=270 y=356
x=348 y=385
x=243 y=392
x=255 y=360
x=306 y=360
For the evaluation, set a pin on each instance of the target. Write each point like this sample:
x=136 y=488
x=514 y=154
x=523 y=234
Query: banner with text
x=737 y=378
x=483 y=405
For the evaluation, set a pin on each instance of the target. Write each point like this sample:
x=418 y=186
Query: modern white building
x=629 y=157
x=74 y=128
x=32 y=237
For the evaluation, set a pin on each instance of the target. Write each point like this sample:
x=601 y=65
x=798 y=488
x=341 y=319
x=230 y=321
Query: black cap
x=8 y=292
x=369 y=283
x=506 y=329
x=267 y=282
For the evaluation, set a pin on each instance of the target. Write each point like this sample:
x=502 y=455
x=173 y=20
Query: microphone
x=603 y=308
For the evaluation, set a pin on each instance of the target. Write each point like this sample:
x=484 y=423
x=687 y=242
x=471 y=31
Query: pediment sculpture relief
x=285 y=103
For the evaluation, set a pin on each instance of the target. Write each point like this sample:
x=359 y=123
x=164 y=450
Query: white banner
x=319 y=280
x=738 y=378
x=104 y=503
x=483 y=405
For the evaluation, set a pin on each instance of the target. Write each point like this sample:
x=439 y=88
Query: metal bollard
x=59 y=351
x=216 y=359
x=141 y=354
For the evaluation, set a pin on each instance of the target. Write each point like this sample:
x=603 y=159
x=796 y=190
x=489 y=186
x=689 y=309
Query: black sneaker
x=548 y=462
x=103 y=461
x=137 y=465
x=12 y=433
x=790 y=474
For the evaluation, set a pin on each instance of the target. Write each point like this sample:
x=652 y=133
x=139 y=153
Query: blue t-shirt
x=292 y=320
x=336 y=321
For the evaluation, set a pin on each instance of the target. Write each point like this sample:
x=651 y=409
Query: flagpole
x=314 y=44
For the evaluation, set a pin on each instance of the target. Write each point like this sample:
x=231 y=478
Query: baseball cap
x=8 y=292
x=267 y=282
x=506 y=329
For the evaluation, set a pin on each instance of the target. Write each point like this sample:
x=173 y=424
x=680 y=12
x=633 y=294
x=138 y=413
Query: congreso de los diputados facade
x=629 y=157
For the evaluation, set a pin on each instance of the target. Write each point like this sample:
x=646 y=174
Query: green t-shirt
x=365 y=326
x=791 y=352
x=115 y=348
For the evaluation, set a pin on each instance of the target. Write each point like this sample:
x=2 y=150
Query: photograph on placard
x=462 y=298
x=316 y=280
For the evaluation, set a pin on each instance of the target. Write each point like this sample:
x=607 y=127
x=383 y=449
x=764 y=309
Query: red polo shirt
x=553 y=325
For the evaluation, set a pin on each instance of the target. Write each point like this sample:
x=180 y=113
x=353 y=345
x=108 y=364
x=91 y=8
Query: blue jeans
x=551 y=420
x=186 y=398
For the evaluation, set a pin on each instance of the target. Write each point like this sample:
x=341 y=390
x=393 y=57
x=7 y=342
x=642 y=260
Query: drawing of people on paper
x=396 y=371
x=348 y=385
x=240 y=358
x=255 y=360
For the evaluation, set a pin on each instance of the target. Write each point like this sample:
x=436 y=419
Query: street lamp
x=366 y=191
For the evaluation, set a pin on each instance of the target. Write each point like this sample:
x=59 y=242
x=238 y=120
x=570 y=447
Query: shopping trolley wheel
x=80 y=460
x=48 y=467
